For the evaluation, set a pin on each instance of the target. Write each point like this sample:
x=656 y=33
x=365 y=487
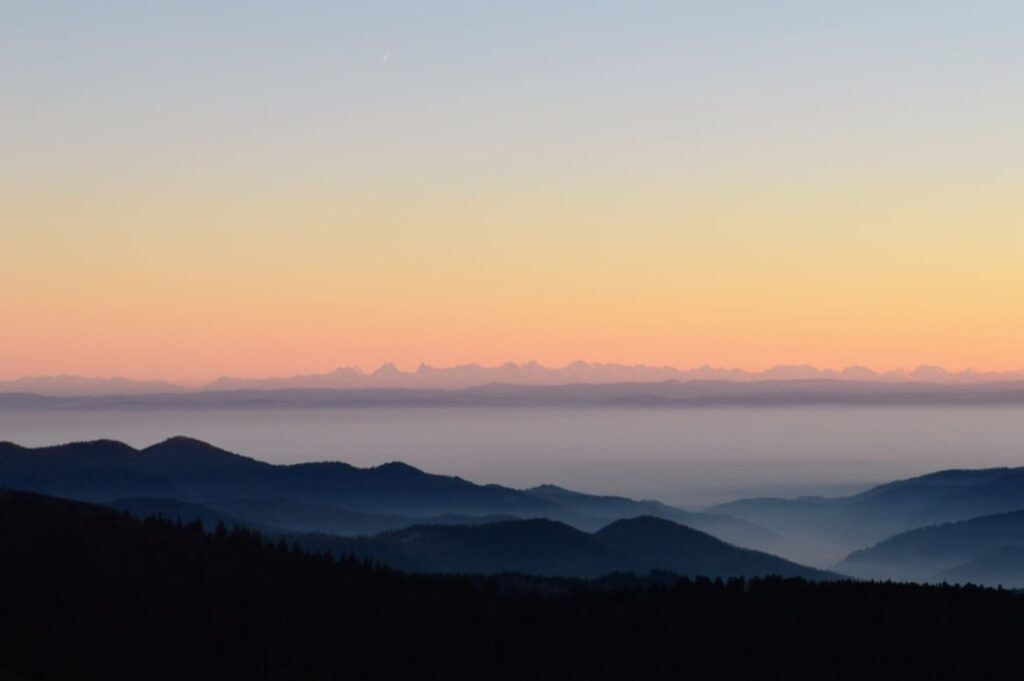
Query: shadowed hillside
x=545 y=547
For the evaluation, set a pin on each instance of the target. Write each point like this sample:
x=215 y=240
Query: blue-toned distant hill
x=1003 y=566
x=937 y=552
x=328 y=497
x=837 y=526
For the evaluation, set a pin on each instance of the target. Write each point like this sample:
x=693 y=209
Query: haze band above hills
x=669 y=393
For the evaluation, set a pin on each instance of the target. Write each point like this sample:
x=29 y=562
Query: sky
x=197 y=189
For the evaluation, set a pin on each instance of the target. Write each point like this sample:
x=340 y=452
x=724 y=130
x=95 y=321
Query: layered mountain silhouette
x=549 y=548
x=836 y=526
x=486 y=545
x=328 y=497
x=512 y=373
x=939 y=552
x=596 y=511
x=950 y=524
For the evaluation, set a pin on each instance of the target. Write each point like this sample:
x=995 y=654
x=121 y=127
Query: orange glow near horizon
x=253 y=295
x=689 y=187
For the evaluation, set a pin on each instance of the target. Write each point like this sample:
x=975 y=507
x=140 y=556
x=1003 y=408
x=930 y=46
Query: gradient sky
x=192 y=189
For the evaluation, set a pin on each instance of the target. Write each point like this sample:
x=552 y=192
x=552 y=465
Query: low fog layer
x=686 y=456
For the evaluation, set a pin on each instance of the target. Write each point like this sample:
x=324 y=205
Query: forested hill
x=329 y=497
x=90 y=592
x=550 y=548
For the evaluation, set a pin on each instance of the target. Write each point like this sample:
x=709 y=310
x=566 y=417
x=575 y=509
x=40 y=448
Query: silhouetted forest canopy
x=92 y=592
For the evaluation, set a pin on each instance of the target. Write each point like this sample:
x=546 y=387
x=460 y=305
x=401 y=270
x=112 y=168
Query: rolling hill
x=545 y=547
x=1003 y=566
x=596 y=511
x=931 y=553
x=326 y=497
x=833 y=527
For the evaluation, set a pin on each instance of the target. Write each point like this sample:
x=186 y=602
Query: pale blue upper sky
x=653 y=182
x=574 y=83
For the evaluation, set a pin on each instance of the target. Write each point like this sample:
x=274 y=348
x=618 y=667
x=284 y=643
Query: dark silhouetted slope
x=655 y=543
x=545 y=547
x=180 y=511
x=599 y=510
x=539 y=547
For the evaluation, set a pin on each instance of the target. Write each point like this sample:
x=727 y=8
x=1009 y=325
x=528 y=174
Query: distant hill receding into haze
x=1003 y=566
x=842 y=524
x=940 y=552
x=510 y=373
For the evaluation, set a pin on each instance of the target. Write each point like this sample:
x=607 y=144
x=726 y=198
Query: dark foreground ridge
x=92 y=592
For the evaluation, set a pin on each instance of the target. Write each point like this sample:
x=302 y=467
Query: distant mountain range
x=327 y=497
x=510 y=373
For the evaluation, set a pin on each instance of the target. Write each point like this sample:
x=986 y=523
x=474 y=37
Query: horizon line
x=391 y=371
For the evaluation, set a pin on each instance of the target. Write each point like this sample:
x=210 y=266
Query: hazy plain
x=686 y=456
